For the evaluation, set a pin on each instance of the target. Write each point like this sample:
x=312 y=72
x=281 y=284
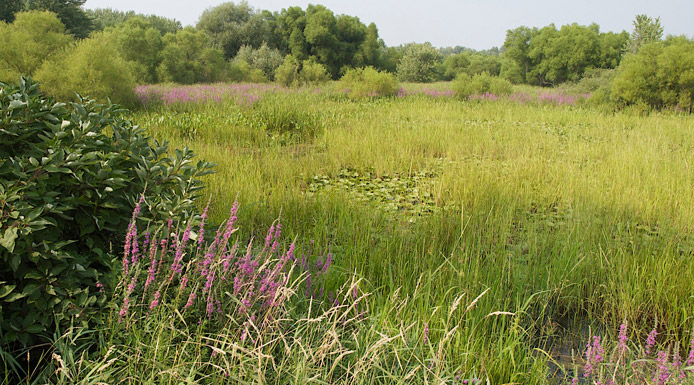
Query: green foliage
x=264 y=59
x=368 y=82
x=550 y=56
x=187 y=58
x=230 y=26
x=103 y=18
x=9 y=8
x=646 y=30
x=336 y=42
x=93 y=67
x=141 y=44
x=294 y=74
x=419 y=63
x=69 y=12
x=287 y=74
x=69 y=179
x=659 y=75
x=30 y=40
x=465 y=86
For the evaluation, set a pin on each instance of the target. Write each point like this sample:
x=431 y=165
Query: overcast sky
x=478 y=24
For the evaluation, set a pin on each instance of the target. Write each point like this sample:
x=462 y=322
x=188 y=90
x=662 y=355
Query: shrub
x=368 y=82
x=293 y=73
x=313 y=73
x=419 y=63
x=32 y=38
x=69 y=178
x=466 y=86
x=93 y=67
x=660 y=75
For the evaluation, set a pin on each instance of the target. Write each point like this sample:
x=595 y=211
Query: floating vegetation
x=410 y=194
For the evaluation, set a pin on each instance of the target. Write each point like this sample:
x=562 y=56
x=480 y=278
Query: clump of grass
x=285 y=119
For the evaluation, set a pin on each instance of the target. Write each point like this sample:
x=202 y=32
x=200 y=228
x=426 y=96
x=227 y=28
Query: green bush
x=93 y=67
x=480 y=84
x=660 y=75
x=32 y=38
x=293 y=73
x=368 y=82
x=70 y=175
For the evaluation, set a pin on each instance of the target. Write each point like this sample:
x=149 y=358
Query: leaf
x=6 y=289
x=9 y=238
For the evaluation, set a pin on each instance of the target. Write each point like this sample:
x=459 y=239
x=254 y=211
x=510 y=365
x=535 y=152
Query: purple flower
x=622 y=345
x=191 y=300
x=594 y=355
x=650 y=341
x=662 y=372
x=155 y=301
x=425 y=338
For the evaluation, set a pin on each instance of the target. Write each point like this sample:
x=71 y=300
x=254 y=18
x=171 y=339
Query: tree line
x=236 y=42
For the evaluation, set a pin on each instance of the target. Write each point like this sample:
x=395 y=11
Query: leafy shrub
x=293 y=73
x=368 y=82
x=264 y=59
x=660 y=75
x=466 y=86
x=240 y=71
x=93 y=67
x=69 y=176
x=32 y=38
x=419 y=63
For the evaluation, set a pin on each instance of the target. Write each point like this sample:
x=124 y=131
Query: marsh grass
x=562 y=215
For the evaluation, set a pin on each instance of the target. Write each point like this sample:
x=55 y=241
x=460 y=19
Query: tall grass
x=561 y=215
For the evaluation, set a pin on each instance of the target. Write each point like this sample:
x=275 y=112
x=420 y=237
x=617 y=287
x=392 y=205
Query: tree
x=8 y=9
x=187 y=58
x=31 y=39
x=419 y=63
x=70 y=12
x=517 y=49
x=140 y=44
x=103 y=18
x=646 y=30
x=231 y=26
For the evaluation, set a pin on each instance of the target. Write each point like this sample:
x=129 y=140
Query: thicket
x=659 y=75
x=369 y=82
x=465 y=85
x=70 y=175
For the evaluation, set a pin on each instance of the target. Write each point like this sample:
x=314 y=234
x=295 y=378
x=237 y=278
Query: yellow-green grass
x=564 y=213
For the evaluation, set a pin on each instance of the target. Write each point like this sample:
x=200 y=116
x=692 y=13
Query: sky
x=477 y=24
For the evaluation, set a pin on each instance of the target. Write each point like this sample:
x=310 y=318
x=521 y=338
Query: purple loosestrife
x=677 y=363
x=176 y=267
x=650 y=341
x=425 y=338
x=690 y=358
x=191 y=300
x=594 y=356
x=152 y=271
x=327 y=263
x=622 y=345
x=155 y=301
x=268 y=238
x=184 y=283
x=662 y=373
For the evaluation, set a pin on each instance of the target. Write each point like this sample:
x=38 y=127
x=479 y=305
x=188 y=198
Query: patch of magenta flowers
x=645 y=364
x=208 y=275
x=241 y=93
